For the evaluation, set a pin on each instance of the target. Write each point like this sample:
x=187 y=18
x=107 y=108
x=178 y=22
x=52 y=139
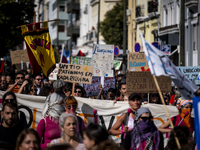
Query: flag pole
x=42 y=21
x=170 y=121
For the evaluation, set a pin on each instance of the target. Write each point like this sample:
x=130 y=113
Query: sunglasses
x=188 y=107
x=176 y=88
x=39 y=79
x=9 y=100
x=71 y=106
x=154 y=95
x=20 y=77
x=145 y=118
x=77 y=91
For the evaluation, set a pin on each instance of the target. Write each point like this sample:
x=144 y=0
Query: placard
x=18 y=56
x=75 y=73
x=93 y=89
x=137 y=62
x=143 y=82
x=103 y=52
x=81 y=60
x=191 y=73
x=102 y=68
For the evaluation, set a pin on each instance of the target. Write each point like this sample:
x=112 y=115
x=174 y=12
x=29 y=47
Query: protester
x=79 y=91
x=24 y=88
x=70 y=107
x=38 y=82
x=19 y=79
x=110 y=94
x=126 y=120
x=9 y=130
x=122 y=90
x=10 y=97
x=60 y=147
x=125 y=97
x=9 y=80
x=93 y=135
x=144 y=134
x=184 y=136
x=28 y=139
x=154 y=98
x=3 y=83
x=185 y=108
x=68 y=125
x=48 y=127
x=32 y=90
x=172 y=100
x=46 y=90
x=108 y=145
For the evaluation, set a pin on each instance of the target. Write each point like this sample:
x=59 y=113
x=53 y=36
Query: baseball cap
x=134 y=95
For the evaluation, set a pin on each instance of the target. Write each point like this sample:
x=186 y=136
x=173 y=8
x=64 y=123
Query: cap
x=134 y=95
x=58 y=84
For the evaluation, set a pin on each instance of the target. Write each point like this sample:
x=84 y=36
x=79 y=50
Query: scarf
x=188 y=119
x=145 y=130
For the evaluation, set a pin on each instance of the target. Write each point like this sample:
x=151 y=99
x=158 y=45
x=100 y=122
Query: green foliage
x=13 y=14
x=111 y=27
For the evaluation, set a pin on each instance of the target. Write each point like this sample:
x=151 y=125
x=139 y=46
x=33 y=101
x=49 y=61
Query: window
x=62 y=8
x=54 y=5
x=61 y=28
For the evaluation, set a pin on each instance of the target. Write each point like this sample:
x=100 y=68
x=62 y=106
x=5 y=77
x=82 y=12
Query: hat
x=182 y=102
x=134 y=95
x=58 y=84
x=140 y=111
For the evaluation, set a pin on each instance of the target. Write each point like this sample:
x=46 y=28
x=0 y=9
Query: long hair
x=23 y=135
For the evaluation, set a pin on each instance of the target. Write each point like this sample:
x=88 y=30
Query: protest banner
x=18 y=56
x=191 y=73
x=54 y=73
x=86 y=107
x=143 y=82
x=137 y=62
x=103 y=52
x=93 y=89
x=75 y=73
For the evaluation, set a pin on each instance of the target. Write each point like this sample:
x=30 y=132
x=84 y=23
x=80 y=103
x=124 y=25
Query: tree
x=111 y=27
x=13 y=14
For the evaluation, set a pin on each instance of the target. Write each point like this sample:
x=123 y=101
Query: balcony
x=76 y=29
x=75 y=6
x=192 y=5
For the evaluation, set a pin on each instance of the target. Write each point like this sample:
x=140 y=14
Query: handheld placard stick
x=170 y=121
x=73 y=88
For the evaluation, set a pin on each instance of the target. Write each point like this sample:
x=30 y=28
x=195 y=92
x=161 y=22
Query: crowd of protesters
x=61 y=128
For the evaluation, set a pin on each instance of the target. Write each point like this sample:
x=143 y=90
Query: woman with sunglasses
x=183 y=118
x=70 y=107
x=144 y=135
x=154 y=98
x=68 y=126
x=48 y=127
x=126 y=120
x=10 y=97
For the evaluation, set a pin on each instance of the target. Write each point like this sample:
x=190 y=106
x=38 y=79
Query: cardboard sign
x=18 y=56
x=75 y=73
x=103 y=52
x=137 y=62
x=143 y=82
x=93 y=89
x=54 y=73
x=81 y=60
x=191 y=73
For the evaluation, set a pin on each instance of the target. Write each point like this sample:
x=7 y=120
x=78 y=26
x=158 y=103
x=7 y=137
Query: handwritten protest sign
x=75 y=73
x=81 y=60
x=18 y=56
x=53 y=74
x=93 y=89
x=191 y=73
x=143 y=82
x=103 y=52
x=137 y=62
x=103 y=68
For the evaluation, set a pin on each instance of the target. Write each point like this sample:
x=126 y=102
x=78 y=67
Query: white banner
x=105 y=108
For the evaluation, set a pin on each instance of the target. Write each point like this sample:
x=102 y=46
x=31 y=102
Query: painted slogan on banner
x=137 y=62
x=142 y=82
x=75 y=73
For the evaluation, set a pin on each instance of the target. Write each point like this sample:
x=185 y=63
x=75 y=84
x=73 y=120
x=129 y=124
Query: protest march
x=52 y=101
